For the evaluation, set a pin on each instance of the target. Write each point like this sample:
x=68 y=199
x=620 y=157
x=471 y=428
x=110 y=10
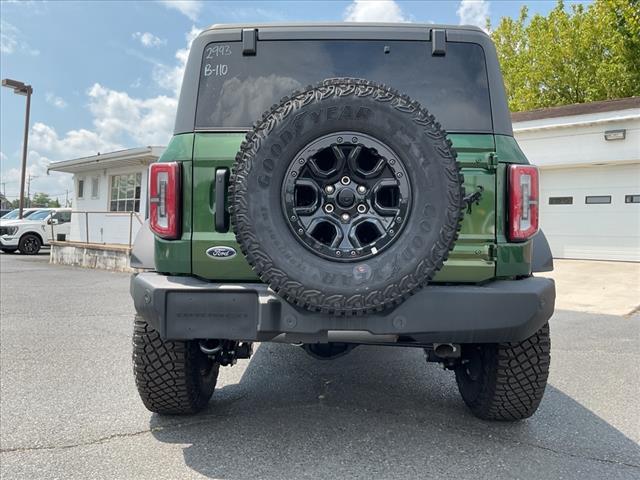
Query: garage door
x=592 y=212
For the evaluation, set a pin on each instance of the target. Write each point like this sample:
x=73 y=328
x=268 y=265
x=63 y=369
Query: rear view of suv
x=338 y=185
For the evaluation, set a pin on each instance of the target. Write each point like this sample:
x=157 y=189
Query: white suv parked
x=37 y=230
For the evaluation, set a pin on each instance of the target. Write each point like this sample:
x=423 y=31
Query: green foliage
x=576 y=56
x=43 y=200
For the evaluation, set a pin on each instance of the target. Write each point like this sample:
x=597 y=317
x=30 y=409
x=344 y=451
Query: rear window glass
x=235 y=90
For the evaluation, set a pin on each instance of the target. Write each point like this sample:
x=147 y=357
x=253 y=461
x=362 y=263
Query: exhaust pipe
x=210 y=347
x=446 y=350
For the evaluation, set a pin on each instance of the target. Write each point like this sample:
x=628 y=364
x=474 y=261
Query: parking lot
x=69 y=408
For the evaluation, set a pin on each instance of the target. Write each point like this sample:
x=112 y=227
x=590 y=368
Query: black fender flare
x=541 y=257
x=143 y=250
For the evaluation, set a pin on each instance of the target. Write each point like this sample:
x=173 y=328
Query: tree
x=583 y=55
x=43 y=200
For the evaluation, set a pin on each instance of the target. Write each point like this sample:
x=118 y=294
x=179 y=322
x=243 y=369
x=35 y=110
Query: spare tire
x=346 y=197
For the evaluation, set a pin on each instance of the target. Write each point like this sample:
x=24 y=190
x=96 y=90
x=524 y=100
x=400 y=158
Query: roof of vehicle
x=338 y=25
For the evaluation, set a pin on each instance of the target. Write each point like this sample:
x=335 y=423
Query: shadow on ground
x=383 y=413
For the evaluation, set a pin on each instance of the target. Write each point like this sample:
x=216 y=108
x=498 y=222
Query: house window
x=560 y=200
x=593 y=199
x=125 y=193
x=95 y=187
x=632 y=199
x=81 y=188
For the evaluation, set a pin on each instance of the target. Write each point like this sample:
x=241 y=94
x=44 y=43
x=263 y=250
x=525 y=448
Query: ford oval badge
x=221 y=253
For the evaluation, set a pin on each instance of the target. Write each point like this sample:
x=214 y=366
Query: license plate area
x=222 y=314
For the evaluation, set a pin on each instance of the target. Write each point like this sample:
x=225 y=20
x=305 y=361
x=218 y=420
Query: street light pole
x=20 y=88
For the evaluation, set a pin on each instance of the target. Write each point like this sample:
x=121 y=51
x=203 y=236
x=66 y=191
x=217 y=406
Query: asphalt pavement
x=69 y=408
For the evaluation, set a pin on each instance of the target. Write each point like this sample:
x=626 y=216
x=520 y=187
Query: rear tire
x=505 y=381
x=29 y=244
x=172 y=377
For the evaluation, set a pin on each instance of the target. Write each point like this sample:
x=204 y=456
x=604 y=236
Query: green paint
x=213 y=151
x=481 y=252
x=180 y=148
x=174 y=256
x=469 y=262
x=508 y=150
x=513 y=259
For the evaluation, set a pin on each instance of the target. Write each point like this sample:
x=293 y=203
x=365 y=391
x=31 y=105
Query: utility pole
x=20 y=88
x=66 y=201
x=29 y=188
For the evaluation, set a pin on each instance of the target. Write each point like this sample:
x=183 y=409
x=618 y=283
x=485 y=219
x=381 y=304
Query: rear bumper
x=189 y=308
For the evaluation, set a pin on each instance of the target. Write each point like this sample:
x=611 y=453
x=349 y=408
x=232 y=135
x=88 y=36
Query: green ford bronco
x=334 y=185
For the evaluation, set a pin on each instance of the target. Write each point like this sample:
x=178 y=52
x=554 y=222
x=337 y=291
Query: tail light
x=164 y=199
x=523 y=202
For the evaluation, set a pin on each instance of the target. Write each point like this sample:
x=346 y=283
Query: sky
x=106 y=75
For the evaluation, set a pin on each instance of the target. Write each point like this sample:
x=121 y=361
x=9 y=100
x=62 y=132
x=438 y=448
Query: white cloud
x=170 y=77
x=474 y=12
x=12 y=40
x=54 y=100
x=55 y=184
x=74 y=144
x=120 y=121
x=189 y=8
x=119 y=117
x=374 y=11
x=148 y=39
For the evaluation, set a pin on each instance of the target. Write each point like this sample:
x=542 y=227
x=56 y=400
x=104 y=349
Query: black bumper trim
x=189 y=308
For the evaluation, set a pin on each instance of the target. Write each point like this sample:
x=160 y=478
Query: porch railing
x=87 y=213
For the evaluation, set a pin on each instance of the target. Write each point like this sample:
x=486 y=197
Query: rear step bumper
x=190 y=308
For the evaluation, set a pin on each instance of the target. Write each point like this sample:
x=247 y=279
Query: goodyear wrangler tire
x=346 y=197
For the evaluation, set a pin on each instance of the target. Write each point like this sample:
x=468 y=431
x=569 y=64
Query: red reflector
x=164 y=199
x=523 y=202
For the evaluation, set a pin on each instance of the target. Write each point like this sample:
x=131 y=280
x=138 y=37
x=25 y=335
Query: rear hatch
x=235 y=89
x=472 y=259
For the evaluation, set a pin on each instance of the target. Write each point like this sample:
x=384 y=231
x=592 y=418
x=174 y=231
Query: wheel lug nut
x=361 y=189
x=353 y=253
x=293 y=218
x=329 y=189
x=345 y=217
x=338 y=253
x=328 y=208
x=300 y=231
x=345 y=180
x=391 y=232
x=362 y=208
x=399 y=219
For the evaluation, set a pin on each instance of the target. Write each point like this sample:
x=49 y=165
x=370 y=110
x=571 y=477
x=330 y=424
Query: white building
x=110 y=194
x=589 y=160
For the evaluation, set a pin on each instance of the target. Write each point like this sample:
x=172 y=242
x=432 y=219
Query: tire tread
x=167 y=372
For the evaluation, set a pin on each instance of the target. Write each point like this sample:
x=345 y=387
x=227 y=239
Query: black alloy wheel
x=346 y=196
x=29 y=245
